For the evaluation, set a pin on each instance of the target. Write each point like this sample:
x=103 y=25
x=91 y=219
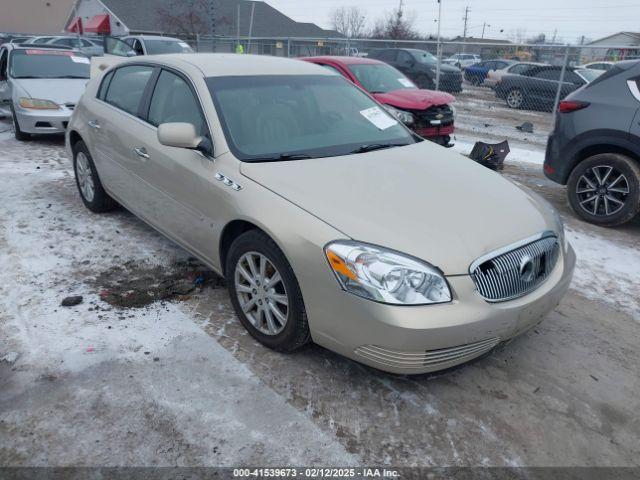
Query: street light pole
x=439 y=46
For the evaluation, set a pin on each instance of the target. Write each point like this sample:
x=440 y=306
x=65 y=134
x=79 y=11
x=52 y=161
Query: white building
x=619 y=46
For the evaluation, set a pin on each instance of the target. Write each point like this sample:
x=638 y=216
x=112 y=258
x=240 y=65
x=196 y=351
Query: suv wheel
x=515 y=98
x=265 y=293
x=605 y=189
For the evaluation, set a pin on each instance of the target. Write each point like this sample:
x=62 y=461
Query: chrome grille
x=428 y=358
x=517 y=270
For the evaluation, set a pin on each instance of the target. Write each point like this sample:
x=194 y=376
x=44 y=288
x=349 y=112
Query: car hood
x=422 y=199
x=447 y=68
x=414 y=99
x=59 y=90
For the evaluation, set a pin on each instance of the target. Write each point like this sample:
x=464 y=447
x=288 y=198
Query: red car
x=426 y=112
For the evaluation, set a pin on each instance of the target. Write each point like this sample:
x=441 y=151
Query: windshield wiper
x=71 y=76
x=283 y=157
x=377 y=146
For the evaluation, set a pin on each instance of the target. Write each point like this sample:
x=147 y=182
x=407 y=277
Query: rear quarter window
x=127 y=87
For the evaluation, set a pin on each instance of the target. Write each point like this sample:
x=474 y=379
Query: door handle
x=94 y=124
x=141 y=152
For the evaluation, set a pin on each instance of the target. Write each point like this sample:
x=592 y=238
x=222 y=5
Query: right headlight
x=386 y=276
x=405 y=117
x=37 y=104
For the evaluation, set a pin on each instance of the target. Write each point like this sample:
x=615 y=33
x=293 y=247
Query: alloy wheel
x=602 y=190
x=85 y=177
x=515 y=99
x=261 y=293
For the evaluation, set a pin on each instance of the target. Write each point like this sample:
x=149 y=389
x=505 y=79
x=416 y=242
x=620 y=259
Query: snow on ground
x=606 y=271
x=52 y=247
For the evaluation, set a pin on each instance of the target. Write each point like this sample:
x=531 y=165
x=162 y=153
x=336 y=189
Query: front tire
x=19 y=134
x=515 y=98
x=89 y=185
x=265 y=293
x=605 y=189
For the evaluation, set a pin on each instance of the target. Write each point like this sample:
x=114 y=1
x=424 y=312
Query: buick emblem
x=527 y=270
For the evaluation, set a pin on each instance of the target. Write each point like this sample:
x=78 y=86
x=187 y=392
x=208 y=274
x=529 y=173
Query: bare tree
x=185 y=17
x=349 y=21
x=395 y=25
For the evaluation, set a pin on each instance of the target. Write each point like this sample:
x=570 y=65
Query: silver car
x=156 y=45
x=331 y=222
x=41 y=86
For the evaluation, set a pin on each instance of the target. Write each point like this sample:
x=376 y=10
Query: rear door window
x=127 y=87
x=549 y=75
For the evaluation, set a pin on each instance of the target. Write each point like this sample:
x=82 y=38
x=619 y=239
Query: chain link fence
x=502 y=90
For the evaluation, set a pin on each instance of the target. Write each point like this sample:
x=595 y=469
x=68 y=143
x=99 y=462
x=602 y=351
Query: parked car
x=462 y=60
x=41 y=85
x=327 y=216
x=477 y=73
x=536 y=88
x=155 y=45
x=420 y=66
x=40 y=39
x=21 y=39
x=594 y=148
x=519 y=68
x=89 y=47
x=602 y=65
x=428 y=113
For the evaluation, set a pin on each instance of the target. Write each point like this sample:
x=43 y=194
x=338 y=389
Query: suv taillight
x=567 y=106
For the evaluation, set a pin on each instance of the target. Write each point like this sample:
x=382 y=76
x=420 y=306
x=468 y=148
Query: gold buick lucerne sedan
x=330 y=220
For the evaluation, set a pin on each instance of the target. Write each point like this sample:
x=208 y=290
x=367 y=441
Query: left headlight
x=405 y=117
x=386 y=276
x=37 y=104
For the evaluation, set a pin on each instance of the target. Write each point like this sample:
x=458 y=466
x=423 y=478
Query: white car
x=598 y=65
x=462 y=60
x=156 y=45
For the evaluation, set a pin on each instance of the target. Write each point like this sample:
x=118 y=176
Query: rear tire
x=605 y=189
x=89 y=185
x=259 y=300
x=515 y=98
x=19 y=134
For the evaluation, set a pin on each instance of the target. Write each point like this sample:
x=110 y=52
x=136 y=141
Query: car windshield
x=424 y=57
x=49 y=64
x=291 y=117
x=157 y=47
x=588 y=74
x=380 y=78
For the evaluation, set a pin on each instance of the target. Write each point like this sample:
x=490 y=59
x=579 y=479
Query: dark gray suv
x=595 y=147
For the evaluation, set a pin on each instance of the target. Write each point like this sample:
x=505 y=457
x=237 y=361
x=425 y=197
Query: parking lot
x=179 y=382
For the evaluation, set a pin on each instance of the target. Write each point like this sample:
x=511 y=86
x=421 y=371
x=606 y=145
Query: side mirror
x=180 y=135
x=184 y=135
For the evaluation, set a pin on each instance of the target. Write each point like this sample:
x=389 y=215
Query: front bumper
x=421 y=339
x=43 y=121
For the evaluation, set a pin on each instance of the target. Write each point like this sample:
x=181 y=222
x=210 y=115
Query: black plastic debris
x=71 y=301
x=490 y=155
x=526 y=127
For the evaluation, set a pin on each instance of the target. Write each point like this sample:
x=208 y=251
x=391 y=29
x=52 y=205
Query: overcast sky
x=572 y=18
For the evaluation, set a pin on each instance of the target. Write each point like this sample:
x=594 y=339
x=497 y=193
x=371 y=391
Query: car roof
x=346 y=60
x=45 y=46
x=154 y=37
x=231 y=64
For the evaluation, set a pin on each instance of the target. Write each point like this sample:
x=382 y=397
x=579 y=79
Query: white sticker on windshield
x=406 y=82
x=379 y=118
x=80 y=60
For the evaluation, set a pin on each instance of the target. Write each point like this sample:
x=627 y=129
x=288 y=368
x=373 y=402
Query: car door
x=543 y=87
x=116 y=125
x=5 y=93
x=179 y=195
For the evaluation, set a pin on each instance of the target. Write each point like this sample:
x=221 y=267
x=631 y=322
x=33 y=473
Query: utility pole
x=484 y=25
x=466 y=20
x=439 y=46
x=212 y=20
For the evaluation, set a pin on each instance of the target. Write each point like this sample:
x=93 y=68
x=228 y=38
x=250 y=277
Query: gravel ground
x=176 y=381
